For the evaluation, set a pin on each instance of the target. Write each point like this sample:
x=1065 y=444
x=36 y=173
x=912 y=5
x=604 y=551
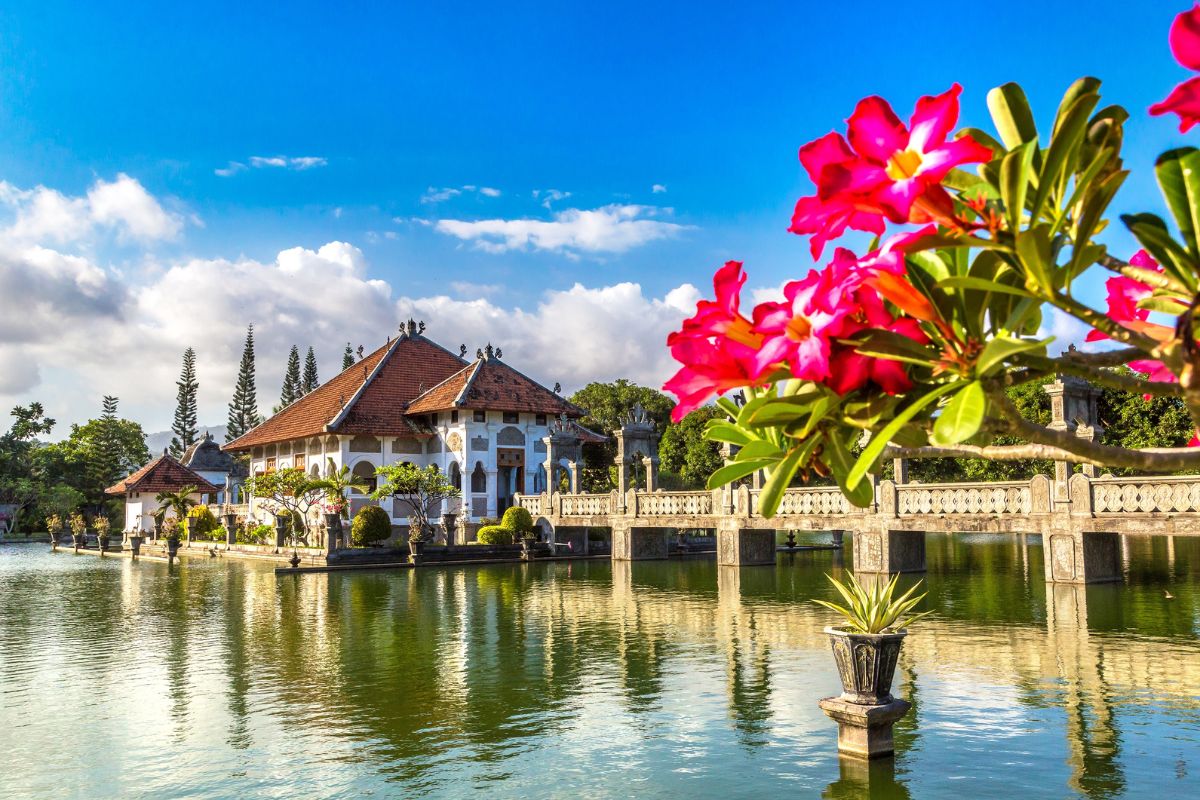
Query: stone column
x=1075 y=556
x=742 y=547
x=638 y=544
x=651 y=465
x=1073 y=409
x=889 y=551
x=900 y=470
x=574 y=478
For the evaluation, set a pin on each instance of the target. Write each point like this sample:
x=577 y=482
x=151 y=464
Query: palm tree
x=179 y=502
x=337 y=482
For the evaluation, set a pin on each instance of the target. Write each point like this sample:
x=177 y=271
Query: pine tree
x=243 y=409
x=347 y=358
x=292 y=390
x=107 y=467
x=185 y=409
x=311 y=381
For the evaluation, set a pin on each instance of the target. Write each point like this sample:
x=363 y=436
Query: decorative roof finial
x=479 y=353
x=557 y=388
x=489 y=351
x=462 y=351
x=499 y=353
x=360 y=352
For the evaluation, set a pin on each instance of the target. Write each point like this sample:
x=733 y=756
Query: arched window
x=539 y=479
x=365 y=472
x=478 y=478
x=455 y=475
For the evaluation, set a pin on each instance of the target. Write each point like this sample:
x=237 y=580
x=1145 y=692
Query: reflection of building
x=482 y=422
x=163 y=474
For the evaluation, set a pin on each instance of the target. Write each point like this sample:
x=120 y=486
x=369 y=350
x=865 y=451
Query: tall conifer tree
x=292 y=390
x=311 y=381
x=243 y=409
x=107 y=468
x=184 y=427
x=347 y=358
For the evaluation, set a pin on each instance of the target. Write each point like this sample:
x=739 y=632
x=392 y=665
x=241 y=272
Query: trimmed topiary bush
x=518 y=520
x=494 y=534
x=371 y=524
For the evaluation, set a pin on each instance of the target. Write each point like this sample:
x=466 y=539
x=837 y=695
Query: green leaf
x=881 y=438
x=999 y=350
x=1016 y=170
x=1179 y=179
x=840 y=463
x=777 y=482
x=962 y=416
x=778 y=412
x=1069 y=130
x=886 y=344
x=736 y=471
x=1153 y=235
x=967 y=282
x=1011 y=115
x=757 y=449
x=718 y=430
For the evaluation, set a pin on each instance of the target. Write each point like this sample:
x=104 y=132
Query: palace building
x=481 y=422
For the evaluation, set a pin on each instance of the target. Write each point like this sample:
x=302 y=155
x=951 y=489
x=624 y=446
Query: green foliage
x=494 y=534
x=370 y=525
x=179 y=503
x=607 y=404
x=291 y=391
x=347 y=358
x=874 y=609
x=259 y=534
x=518 y=520
x=686 y=458
x=423 y=489
x=310 y=380
x=243 y=408
x=337 y=483
x=184 y=426
x=201 y=523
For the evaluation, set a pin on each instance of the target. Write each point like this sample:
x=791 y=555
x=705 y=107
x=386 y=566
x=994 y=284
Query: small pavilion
x=163 y=474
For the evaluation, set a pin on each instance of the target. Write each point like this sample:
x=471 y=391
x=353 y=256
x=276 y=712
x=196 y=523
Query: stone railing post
x=741 y=501
x=1040 y=495
x=1079 y=489
x=889 y=499
x=631 y=503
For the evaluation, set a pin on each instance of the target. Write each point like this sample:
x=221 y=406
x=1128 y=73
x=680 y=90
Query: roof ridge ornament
x=462 y=351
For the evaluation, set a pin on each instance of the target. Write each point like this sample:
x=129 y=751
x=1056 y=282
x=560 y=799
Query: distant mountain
x=157 y=442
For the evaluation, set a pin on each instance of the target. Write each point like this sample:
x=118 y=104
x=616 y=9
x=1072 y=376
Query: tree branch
x=1101 y=375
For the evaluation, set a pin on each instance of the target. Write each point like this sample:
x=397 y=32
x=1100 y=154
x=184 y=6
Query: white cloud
x=42 y=215
x=658 y=188
x=550 y=196
x=609 y=229
x=436 y=195
x=296 y=163
x=1067 y=331
x=475 y=289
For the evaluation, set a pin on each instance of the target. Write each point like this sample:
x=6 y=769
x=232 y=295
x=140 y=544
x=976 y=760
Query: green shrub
x=494 y=534
x=518 y=520
x=371 y=524
x=201 y=523
x=259 y=534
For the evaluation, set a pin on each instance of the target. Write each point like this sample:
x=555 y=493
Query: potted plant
x=520 y=522
x=423 y=489
x=54 y=525
x=102 y=525
x=335 y=484
x=417 y=536
x=867 y=645
x=334 y=510
x=78 y=530
x=170 y=529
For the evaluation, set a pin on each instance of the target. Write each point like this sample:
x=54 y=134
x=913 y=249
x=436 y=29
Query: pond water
x=215 y=679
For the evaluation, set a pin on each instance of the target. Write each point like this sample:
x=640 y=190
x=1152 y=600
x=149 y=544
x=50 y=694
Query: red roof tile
x=163 y=474
x=491 y=385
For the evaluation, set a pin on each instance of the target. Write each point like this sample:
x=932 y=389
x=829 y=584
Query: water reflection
x=669 y=678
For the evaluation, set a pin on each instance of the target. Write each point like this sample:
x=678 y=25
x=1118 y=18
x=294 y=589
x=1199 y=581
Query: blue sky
x=355 y=114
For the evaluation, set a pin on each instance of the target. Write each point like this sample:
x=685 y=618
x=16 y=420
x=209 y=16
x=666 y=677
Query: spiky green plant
x=875 y=609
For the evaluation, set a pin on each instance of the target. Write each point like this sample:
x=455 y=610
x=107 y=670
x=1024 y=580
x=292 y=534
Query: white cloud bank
x=436 y=195
x=609 y=229
x=85 y=329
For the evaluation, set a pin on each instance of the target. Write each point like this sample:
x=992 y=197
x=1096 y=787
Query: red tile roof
x=163 y=474
x=491 y=385
x=369 y=397
x=383 y=394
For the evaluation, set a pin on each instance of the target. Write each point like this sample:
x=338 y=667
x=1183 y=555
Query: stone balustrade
x=580 y=505
x=1010 y=497
x=807 y=501
x=1174 y=494
x=673 y=504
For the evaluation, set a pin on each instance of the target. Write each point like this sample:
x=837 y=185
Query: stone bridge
x=1081 y=519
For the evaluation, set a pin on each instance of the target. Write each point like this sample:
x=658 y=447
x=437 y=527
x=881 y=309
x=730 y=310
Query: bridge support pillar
x=1082 y=557
x=743 y=547
x=638 y=544
x=888 y=551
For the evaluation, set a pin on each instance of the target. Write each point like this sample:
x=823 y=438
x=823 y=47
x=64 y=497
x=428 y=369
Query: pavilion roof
x=490 y=384
x=163 y=474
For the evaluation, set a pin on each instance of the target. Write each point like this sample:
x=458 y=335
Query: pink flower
x=1184 y=99
x=853 y=370
x=717 y=346
x=1124 y=294
x=884 y=170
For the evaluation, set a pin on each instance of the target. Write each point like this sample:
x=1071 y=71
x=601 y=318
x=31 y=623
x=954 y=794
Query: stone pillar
x=1073 y=409
x=651 y=465
x=576 y=483
x=900 y=470
x=1074 y=556
x=864 y=731
x=889 y=551
x=743 y=547
x=638 y=544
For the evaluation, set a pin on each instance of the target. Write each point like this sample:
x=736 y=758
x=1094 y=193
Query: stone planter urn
x=448 y=526
x=527 y=543
x=135 y=545
x=79 y=540
x=791 y=540
x=294 y=560
x=54 y=536
x=102 y=543
x=172 y=547
x=281 y=529
x=416 y=547
x=866 y=663
x=157 y=528
x=333 y=531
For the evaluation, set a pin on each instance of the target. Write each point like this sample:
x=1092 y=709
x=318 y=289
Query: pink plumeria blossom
x=854 y=370
x=1184 y=99
x=883 y=170
x=1124 y=294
